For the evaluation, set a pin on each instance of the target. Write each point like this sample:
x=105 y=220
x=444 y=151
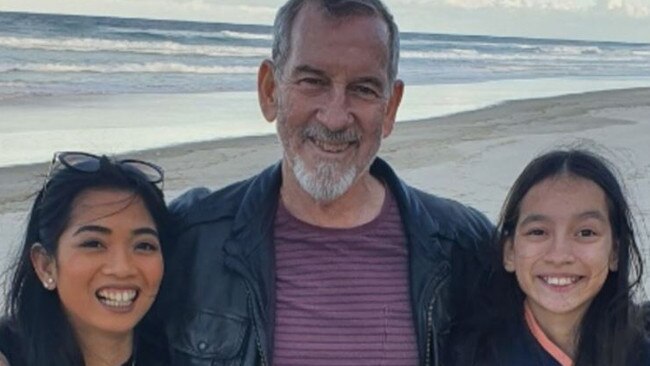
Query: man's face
x=333 y=100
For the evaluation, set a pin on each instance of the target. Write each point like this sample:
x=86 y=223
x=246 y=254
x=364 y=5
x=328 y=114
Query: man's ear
x=44 y=265
x=392 y=107
x=509 y=255
x=266 y=90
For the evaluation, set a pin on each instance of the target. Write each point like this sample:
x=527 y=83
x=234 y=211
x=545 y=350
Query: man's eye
x=365 y=90
x=311 y=81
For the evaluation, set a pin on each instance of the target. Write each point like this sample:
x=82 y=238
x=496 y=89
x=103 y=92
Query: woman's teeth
x=117 y=298
x=560 y=281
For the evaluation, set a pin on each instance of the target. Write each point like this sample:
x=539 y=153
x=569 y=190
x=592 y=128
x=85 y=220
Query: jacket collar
x=253 y=224
x=251 y=245
x=419 y=226
x=254 y=219
x=427 y=262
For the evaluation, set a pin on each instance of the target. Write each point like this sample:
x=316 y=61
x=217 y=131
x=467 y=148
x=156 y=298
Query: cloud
x=590 y=19
x=617 y=20
x=251 y=11
x=560 y=5
x=631 y=8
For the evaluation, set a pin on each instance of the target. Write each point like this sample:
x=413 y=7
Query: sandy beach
x=472 y=156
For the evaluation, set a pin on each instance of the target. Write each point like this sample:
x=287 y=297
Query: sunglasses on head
x=88 y=163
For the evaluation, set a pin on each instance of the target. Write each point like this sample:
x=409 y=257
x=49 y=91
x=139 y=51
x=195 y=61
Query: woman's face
x=108 y=264
x=562 y=249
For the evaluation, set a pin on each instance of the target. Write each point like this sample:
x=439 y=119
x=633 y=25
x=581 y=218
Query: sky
x=607 y=20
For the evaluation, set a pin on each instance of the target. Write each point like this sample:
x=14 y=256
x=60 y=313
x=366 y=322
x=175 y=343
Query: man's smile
x=331 y=147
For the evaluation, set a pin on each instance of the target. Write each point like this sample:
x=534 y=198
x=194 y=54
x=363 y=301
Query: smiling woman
x=90 y=266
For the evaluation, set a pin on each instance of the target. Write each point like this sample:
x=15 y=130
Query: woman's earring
x=49 y=284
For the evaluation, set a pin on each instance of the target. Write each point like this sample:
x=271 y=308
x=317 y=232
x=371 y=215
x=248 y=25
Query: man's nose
x=335 y=113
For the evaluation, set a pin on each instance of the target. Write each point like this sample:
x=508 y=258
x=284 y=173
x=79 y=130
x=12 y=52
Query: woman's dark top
x=9 y=345
x=147 y=352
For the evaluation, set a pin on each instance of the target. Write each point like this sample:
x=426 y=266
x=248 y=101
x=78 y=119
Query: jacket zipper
x=430 y=331
x=255 y=327
x=431 y=327
x=429 y=335
x=237 y=267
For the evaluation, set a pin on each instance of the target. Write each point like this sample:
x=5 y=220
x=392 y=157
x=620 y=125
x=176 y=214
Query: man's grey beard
x=325 y=183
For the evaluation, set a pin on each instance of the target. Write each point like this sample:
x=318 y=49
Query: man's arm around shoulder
x=470 y=237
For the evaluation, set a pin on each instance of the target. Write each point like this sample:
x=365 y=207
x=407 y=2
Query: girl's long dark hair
x=42 y=333
x=611 y=332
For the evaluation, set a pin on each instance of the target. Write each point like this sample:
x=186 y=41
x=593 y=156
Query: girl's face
x=108 y=265
x=562 y=249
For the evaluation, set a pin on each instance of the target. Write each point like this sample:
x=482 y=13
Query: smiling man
x=326 y=258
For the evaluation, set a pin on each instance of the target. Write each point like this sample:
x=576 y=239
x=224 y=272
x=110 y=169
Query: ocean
x=113 y=85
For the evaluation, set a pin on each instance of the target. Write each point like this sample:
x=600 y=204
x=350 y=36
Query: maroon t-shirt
x=343 y=294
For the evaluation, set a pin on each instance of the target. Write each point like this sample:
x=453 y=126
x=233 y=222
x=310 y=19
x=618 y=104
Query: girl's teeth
x=560 y=281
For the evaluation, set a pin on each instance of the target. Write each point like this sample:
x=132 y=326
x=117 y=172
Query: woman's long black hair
x=43 y=334
x=611 y=331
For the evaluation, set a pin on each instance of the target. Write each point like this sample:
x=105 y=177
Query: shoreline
x=166 y=150
x=115 y=124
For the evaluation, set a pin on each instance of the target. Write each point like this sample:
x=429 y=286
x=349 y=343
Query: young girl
x=90 y=266
x=568 y=263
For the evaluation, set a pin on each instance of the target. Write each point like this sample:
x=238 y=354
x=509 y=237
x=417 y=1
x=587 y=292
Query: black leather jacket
x=219 y=298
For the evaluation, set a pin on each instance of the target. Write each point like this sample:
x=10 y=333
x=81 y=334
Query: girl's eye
x=586 y=233
x=146 y=247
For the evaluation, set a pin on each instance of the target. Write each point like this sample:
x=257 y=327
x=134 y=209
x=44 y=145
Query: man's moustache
x=319 y=132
